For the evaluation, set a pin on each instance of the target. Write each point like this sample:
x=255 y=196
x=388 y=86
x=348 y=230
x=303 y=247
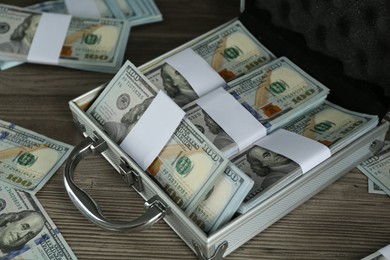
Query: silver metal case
x=160 y=206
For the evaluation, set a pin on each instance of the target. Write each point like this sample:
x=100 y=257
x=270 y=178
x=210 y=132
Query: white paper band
x=83 y=8
x=302 y=150
x=49 y=38
x=232 y=117
x=199 y=74
x=153 y=130
x=385 y=251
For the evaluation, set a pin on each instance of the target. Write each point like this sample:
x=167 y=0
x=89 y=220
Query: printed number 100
x=18 y=180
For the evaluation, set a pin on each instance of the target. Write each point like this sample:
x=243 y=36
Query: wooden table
x=343 y=221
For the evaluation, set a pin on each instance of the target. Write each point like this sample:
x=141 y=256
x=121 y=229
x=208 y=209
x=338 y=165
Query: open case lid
x=343 y=44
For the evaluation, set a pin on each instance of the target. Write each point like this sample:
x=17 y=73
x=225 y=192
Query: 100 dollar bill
x=187 y=165
x=122 y=102
x=26 y=230
x=27 y=159
x=270 y=172
x=277 y=92
x=96 y=44
x=231 y=51
x=222 y=201
x=332 y=125
x=274 y=94
x=138 y=11
x=60 y=7
x=329 y=124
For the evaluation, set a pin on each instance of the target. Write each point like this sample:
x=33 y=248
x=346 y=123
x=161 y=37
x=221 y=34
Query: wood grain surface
x=342 y=221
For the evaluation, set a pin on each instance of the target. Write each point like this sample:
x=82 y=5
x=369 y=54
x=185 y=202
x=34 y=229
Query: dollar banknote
x=187 y=165
x=139 y=12
x=96 y=44
x=27 y=159
x=277 y=92
x=62 y=7
x=136 y=12
x=332 y=125
x=123 y=102
x=329 y=124
x=270 y=172
x=26 y=230
x=222 y=201
x=55 y=6
x=377 y=168
x=232 y=51
x=211 y=129
x=274 y=94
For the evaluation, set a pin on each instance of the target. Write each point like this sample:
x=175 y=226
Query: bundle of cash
x=377 y=169
x=26 y=230
x=332 y=125
x=103 y=8
x=27 y=159
x=232 y=51
x=139 y=12
x=222 y=201
x=274 y=94
x=135 y=11
x=329 y=124
x=95 y=44
x=187 y=166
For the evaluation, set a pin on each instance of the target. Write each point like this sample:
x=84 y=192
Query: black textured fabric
x=345 y=44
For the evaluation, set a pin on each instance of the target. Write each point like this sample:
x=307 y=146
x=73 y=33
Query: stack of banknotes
x=328 y=124
x=273 y=94
x=138 y=12
x=96 y=44
x=27 y=161
x=231 y=50
x=96 y=38
x=276 y=92
x=117 y=110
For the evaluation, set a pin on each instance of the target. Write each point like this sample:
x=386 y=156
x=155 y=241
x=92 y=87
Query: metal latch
x=130 y=176
x=376 y=146
x=80 y=127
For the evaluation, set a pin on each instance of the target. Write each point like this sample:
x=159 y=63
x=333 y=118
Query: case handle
x=156 y=210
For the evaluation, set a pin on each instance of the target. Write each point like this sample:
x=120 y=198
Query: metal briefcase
x=159 y=205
